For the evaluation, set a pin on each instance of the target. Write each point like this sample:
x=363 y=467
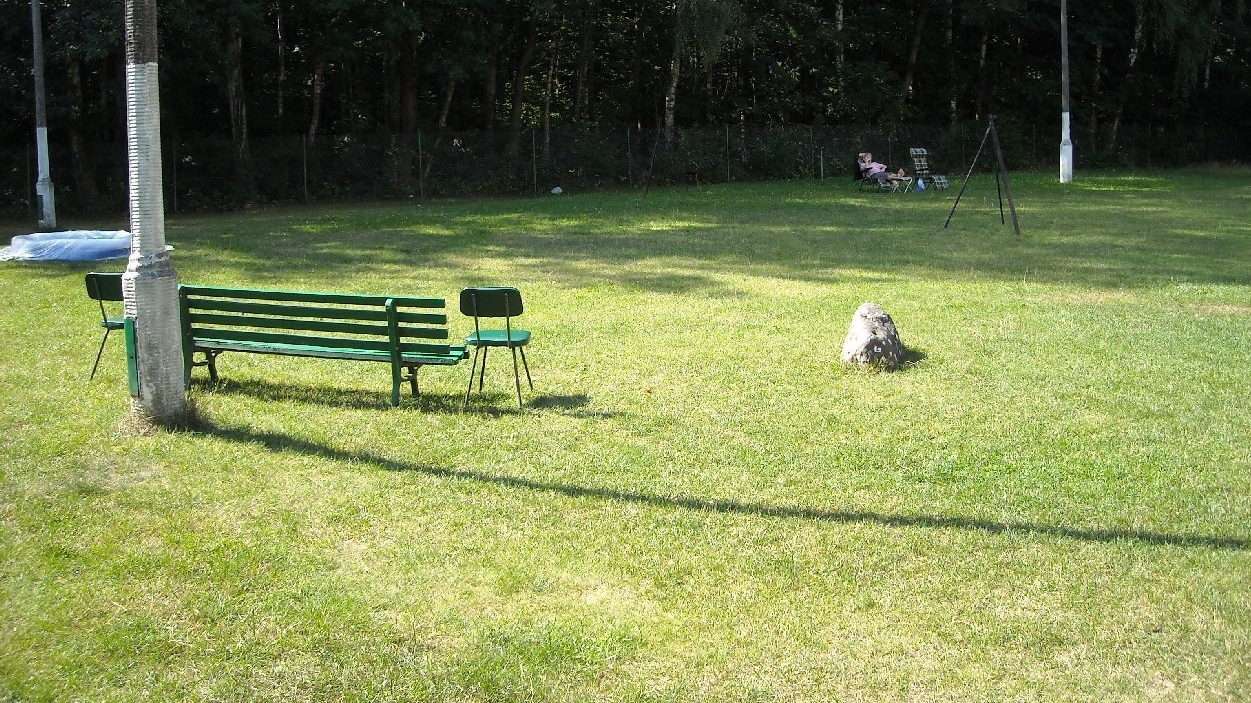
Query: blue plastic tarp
x=72 y=245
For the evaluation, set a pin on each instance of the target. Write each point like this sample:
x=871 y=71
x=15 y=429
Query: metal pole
x=44 y=192
x=1066 y=144
x=1007 y=186
x=967 y=176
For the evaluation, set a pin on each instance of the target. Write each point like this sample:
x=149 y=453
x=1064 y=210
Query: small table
x=902 y=185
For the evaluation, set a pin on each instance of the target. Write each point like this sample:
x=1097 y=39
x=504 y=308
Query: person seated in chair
x=878 y=172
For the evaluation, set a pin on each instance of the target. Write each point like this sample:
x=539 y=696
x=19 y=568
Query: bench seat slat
x=450 y=355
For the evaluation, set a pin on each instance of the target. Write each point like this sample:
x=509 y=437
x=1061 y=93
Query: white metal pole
x=44 y=192
x=1066 y=143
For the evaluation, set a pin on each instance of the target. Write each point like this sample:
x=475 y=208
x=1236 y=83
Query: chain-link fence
x=203 y=173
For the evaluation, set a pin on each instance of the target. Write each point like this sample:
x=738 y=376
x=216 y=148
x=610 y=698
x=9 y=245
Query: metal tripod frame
x=1002 y=170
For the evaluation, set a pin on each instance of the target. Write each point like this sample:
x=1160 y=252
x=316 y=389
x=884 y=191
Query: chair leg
x=472 y=366
x=482 y=371
x=98 y=355
x=517 y=377
x=527 y=366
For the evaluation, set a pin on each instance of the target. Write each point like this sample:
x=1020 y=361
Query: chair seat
x=498 y=338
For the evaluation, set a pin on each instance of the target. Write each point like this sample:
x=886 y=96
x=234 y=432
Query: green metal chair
x=102 y=287
x=494 y=302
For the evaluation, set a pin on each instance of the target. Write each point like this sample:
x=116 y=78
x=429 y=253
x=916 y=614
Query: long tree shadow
x=492 y=403
x=277 y=442
x=1128 y=239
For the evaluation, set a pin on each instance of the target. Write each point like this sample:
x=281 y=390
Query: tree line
x=244 y=70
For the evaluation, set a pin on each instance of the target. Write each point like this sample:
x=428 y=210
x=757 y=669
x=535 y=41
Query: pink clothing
x=873 y=167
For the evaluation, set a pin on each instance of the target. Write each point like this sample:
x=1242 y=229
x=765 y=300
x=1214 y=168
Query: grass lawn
x=1050 y=502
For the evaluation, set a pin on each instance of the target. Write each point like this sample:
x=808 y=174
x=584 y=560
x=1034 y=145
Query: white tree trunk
x=150 y=284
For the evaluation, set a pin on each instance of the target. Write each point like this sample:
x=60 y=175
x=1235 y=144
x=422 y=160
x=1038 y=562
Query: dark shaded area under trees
x=272 y=100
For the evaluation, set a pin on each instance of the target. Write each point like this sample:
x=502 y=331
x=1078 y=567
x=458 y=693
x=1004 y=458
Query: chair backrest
x=104 y=286
x=920 y=159
x=858 y=168
x=491 y=302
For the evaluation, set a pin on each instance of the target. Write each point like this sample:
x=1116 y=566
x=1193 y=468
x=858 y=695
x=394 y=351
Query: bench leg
x=412 y=379
x=210 y=360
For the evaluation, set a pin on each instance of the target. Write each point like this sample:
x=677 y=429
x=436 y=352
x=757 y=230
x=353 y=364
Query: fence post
x=421 y=173
x=629 y=160
x=727 y=153
x=304 y=163
x=173 y=173
x=534 y=164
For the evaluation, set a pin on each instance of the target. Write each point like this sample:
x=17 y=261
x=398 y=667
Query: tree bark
x=404 y=80
x=444 y=109
x=913 y=51
x=675 y=73
x=491 y=80
x=982 y=80
x=1135 y=48
x=840 y=48
x=586 y=55
x=319 y=83
x=1096 y=85
x=547 y=100
x=282 y=62
x=244 y=170
x=84 y=180
x=519 y=84
x=953 y=113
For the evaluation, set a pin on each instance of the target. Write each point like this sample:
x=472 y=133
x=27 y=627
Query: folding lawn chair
x=921 y=169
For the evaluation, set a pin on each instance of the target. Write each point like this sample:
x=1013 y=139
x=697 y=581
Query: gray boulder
x=872 y=339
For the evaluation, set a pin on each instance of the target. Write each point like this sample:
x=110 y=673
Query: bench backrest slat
x=310 y=296
x=206 y=324
x=308 y=340
x=333 y=320
x=343 y=313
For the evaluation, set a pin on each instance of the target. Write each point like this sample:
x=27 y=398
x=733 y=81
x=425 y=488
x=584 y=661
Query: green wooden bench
x=401 y=331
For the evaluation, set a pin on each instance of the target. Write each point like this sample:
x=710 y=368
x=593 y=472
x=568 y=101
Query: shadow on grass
x=1118 y=238
x=277 y=442
x=491 y=403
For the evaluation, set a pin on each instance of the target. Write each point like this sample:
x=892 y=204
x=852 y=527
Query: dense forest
x=241 y=78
